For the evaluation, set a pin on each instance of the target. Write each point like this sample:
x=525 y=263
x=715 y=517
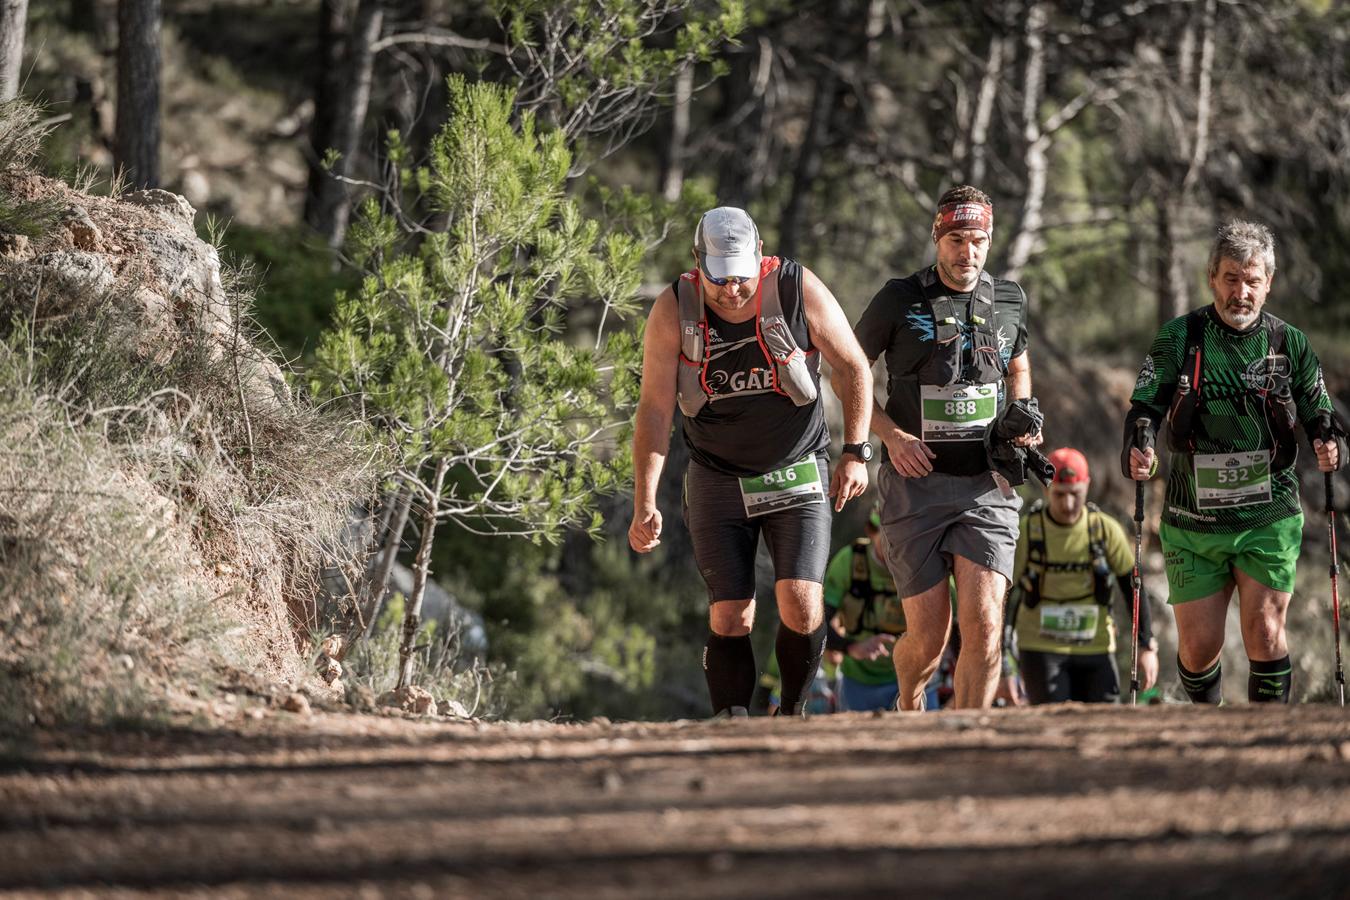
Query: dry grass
x=166 y=506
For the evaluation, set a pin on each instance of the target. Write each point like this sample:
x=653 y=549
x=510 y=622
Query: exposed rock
x=334 y=647
x=330 y=670
x=296 y=702
x=453 y=708
x=169 y=204
x=360 y=697
x=84 y=234
x=410 y=699
x=63 y=280
x=14 y=247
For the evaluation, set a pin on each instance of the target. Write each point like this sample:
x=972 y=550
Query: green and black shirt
x=1232 y=419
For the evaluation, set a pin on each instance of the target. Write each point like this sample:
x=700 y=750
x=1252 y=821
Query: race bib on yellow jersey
x=1226 y=480
x=1069 y=623
x=957 y=412
x=791 y=486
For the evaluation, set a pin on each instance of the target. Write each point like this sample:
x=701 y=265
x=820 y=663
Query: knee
x=731 y=618
x=927 y=645
x=1197 y=652
x=801 y=606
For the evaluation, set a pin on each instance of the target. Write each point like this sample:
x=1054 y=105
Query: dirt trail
x=1165 y=801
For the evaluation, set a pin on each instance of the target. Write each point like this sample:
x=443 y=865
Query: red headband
x=962 y=214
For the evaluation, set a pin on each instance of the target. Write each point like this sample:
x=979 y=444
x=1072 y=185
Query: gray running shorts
x=725 y=540
x=928 y=520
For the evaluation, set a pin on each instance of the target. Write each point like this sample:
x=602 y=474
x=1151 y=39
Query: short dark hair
x=964 y=193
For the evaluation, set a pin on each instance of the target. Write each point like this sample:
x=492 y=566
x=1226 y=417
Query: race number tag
x=794 y=485
x=1225 y=480
x=1076 y=623
x=957 y=412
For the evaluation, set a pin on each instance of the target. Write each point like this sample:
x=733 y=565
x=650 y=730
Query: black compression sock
x=729 y=667
x=1270 y=680
x=798 y=660
x=1203 y=687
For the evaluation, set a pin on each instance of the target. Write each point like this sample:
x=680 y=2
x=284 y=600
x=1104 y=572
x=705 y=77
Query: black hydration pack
x=1039 y=562
x=1274 y=394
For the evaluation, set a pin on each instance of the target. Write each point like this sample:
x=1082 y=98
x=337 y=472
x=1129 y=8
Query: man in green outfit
x=1231 y=382
x=860 y=595
x=1070 y=557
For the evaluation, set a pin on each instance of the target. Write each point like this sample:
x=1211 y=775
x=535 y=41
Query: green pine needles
x=462 y=340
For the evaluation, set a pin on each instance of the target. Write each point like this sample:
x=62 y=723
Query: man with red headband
x=736 y=344
x=954 y=339
x=1069 y=554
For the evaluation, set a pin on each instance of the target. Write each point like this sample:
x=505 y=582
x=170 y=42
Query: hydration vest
x=857 y=609
x=791 y=369
x=1185 y=417
x=1039 y=563
x=948 y=362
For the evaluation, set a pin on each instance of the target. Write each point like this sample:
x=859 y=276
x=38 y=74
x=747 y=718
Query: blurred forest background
x=321 y=142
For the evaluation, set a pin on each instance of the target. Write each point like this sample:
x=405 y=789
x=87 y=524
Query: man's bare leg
x=1263 y=611
x=979 y=605
x=1200 y=627
x=801 y=604
x=928 y=620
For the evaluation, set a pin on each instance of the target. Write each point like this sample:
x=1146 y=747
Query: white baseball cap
x=727 y=243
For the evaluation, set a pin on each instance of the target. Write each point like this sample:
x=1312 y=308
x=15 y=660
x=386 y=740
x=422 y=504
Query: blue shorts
x=858 y=697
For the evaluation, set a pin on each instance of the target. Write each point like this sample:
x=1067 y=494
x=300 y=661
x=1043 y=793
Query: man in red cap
x=1068 y=554
x=954 y=338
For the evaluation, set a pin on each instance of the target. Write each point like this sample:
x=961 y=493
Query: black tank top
x=754 y=433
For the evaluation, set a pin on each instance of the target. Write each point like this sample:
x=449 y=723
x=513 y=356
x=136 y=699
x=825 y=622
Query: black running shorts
x=1057 y=677
x=725 y=540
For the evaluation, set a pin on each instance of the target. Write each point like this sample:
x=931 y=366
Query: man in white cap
x=736 y=344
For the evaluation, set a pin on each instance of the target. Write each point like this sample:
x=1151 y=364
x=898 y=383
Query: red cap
x=1071 y=467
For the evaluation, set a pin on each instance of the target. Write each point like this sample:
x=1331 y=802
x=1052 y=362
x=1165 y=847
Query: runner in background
x=1071 y=557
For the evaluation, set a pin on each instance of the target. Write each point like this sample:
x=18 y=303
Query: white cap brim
x=745 y=265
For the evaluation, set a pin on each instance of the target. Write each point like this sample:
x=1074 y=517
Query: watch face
x=863 y=451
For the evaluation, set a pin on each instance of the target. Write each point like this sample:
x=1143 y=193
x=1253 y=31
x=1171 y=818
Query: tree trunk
x=332 y=207
x=984 y=111
x=1033 y=89
x=747 y=123
x=412 y=614
x=333 y=23
x=13 y=18
x=378 y=585
x=136 y=145
x=1172 y=295
x=808 y=162
x=672 y=179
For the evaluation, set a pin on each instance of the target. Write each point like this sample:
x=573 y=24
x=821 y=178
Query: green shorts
x=1199 y=565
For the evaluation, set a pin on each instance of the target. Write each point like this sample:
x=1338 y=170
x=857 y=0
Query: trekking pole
x=1335 y=587
x=1143 y=439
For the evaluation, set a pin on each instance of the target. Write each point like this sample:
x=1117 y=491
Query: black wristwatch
x=863 y=451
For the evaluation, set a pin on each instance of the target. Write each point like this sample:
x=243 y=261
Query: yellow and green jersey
x=1226 y=483
x=1068 y=619
x=860 y=588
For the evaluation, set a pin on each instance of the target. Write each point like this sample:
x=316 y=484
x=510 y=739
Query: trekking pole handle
x=1143 y=439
